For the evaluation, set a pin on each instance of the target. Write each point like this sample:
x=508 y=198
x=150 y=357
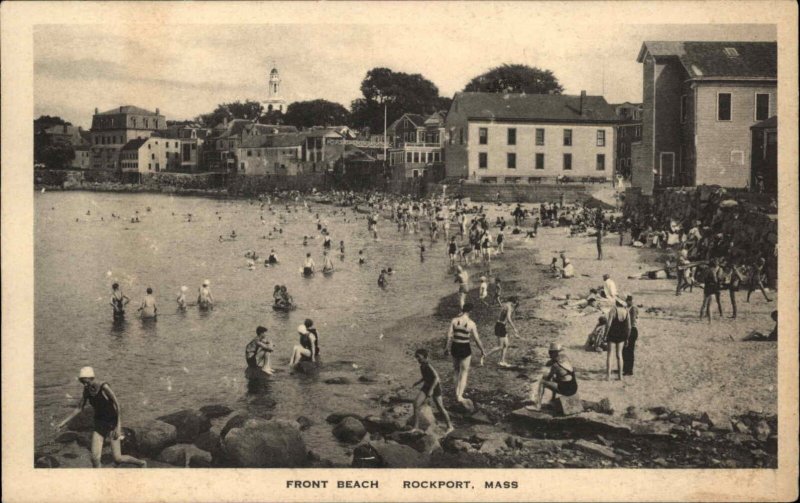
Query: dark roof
x=127 y=109
x=544 y=107
x=134 y=144
x=715 y=60
x=771 y=123
x=320 y=132
x=273 y=140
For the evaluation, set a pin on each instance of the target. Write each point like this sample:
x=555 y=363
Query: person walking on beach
x=756 y=279
x=734 y=279
x=711 y=286
x=421 y=247
x=560 y=378
x=462 y=278
x=118 y=302
x=107 y=423
x=618 y=330
x=431 y=388
x=483 y=291
x=501 y=329
x=452 y=250
x=205 y=300
x=148 y=308
x=258 y=352
x=461 y=332
x=599 y=240
x=630 y=345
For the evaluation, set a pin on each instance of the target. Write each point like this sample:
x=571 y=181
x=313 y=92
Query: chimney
x=583 y=98
x=96 y=111
x=120 y=109
x=156 y=111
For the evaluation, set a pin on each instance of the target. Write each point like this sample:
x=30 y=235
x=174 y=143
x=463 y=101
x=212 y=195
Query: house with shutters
x=700 y=100
x=527 y=138
x=416 y=143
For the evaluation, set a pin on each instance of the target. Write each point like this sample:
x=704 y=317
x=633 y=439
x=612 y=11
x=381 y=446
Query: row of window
x=539 y=163
x=725 y=107
x=289 y=152
x=424 y=157
x=511 y=136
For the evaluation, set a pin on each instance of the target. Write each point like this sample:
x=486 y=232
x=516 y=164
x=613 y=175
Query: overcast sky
x=187 y=70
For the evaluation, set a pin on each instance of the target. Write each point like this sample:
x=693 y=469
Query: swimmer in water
x=341 y=249
x=233 y=233
x=204 y=298
x=181 y=300
x=327 y=265
x=272 y=259
x=421 y=250
x=361 y=259
x=382 y=279
x=118 y=301
x=148 y=308
x=305 y=240
x=309 y=267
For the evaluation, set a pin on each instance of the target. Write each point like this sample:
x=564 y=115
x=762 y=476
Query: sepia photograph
x=304 y=244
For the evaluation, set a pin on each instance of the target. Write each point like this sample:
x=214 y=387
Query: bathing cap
x=86 y=372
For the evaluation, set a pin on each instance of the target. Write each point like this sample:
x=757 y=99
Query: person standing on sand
x=118 y=302
x=461 y=332
x=630 y=345
x=734 y=280
x=756 y=281
x=107 y=422
x=462 y=278
x=431 y=389
x=618 y=329
x=711 y=285
x=599 y=240
x=501 y=329
x=609 y=288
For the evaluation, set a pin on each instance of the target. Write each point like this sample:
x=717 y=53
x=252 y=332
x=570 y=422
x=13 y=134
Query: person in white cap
x=204 y=298
x=307 y=349
x=107 y=422
x=560 y=378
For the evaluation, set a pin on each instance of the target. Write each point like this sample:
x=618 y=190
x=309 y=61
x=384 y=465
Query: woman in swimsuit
x=618 y=329
x=204 y=298
x=560 y=379
x=307 y=350
x=148 y=308
x=461 y=331
x=327 y=265
x=118 y=302
x=501 y=332
x=308 y=266
x=106 y=419
x=462 y=278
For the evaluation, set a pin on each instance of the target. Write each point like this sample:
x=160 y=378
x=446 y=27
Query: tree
x=235 y=110
x=515 y=79
x=272 y=117
x=303 y=114
x=47 y=121
x=399 y=92
x=54 y=156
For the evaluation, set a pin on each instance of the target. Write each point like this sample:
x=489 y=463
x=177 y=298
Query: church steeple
x=274 y=83
x=274 y=101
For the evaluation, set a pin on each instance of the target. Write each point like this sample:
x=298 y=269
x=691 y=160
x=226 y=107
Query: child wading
x=431 y=388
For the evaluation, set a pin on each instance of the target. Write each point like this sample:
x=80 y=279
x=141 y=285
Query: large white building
x=274 y=101
x=519 y=138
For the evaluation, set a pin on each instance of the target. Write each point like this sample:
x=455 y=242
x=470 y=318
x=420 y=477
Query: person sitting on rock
x=772 y=336
x=431 y=389
x=596 y=340
x=307 y=350
x=560 y=378
x=258 y=352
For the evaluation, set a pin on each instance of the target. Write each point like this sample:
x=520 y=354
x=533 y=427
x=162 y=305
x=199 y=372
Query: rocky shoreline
x=498 y=432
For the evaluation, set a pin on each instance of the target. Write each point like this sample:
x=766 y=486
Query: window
x=152 y=156
x=601 y=162
x=408 y=156
x=416 y=156
x=483 y=160
x=724 y=106
x=540 y=136
x=567 y=137
x=601 y=137
x=539 y=161
x=483 y=136
x=249 y=153
x=762 y=106
x=512 y=136
x=684 y=108
x=461 y=135
x=567 y=161
x=511 y=160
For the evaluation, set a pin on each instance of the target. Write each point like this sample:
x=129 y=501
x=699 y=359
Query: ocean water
x=193 y=358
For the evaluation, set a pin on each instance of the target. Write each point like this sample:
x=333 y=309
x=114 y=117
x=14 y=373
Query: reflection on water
x=189 y=358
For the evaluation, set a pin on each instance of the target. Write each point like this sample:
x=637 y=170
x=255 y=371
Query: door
x=666 y=169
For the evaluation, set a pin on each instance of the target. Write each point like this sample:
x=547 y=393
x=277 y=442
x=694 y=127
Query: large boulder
x=307 y=367
x=209 y=441
x=337 y=417
x=153 y=436
x=426 y=418
x=393 y=455
x=189 y=423
x=69 y=455
x=349 y=430
x=569 y=405
x=383 y=424
x=420 y=441
x=83 y=438
x=215 y=411
x=185 y=455
x=258 y=443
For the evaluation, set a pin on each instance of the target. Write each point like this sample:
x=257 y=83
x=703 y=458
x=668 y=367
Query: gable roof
x=134 y=144
x=541 y=107
x=127 y=109
x=709 y=60
x=416 y=119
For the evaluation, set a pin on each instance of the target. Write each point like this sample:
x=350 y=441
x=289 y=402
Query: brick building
x=519 y=138
x=112 y=129
x=629 y=131
x=699 y=101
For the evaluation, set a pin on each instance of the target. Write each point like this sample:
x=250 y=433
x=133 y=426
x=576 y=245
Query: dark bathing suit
x=105 y=415
x=305 y=341
x=428 y=378
x=460 y=348
x=119 y=311
x=567 y=388
x=500 y=325
x=616 y=333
